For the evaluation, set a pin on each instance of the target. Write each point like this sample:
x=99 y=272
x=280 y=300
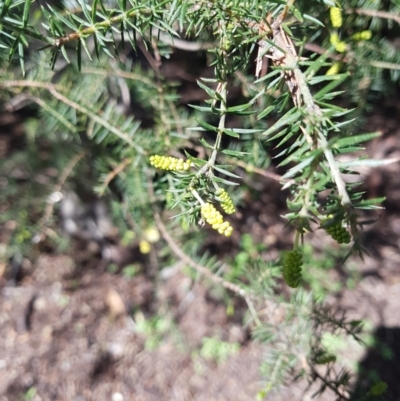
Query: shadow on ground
x=381 y=363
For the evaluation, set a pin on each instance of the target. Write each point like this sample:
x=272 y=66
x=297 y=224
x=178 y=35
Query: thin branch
x=176 y=249
x=186 y=45
x=325 y=315
x=250 y=168
x=99 y=26
x=253 y=169
x=384 y=64
x=12 y=106
x=329 y=384
x=30 y=84
x=113 y=173
x=150 y=59
x=120 y=73
x=82 y=109
x=48 y=210
x=313 y=47
x=95 y=117
x=350 y=57
x=301 y=96
x=375 y=13
x=135 y=77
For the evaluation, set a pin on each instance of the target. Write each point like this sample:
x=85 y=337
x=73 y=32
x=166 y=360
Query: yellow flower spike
x=228 y=232
x=213 y=217
x=144 y=247
x=334 y=38
x=169 y=163
x=335 y=69
x=225 y=229
x=363 y=35
x=340 y=47
x=336 y=17
x=186 y=165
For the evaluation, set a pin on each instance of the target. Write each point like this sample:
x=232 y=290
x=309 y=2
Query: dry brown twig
x=283 y=54
x=113 y=173
x=253 y=169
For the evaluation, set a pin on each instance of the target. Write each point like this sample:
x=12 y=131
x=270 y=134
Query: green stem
x=334 y=168
x=221 y=126
x=101 y=26
x=296 y=239
x=197 y=196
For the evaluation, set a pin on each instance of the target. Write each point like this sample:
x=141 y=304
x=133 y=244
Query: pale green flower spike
x=292 y=266
x=336 y=231
x=226 y=201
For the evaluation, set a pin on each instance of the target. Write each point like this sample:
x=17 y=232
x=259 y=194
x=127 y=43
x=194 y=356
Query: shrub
x=314 y=62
